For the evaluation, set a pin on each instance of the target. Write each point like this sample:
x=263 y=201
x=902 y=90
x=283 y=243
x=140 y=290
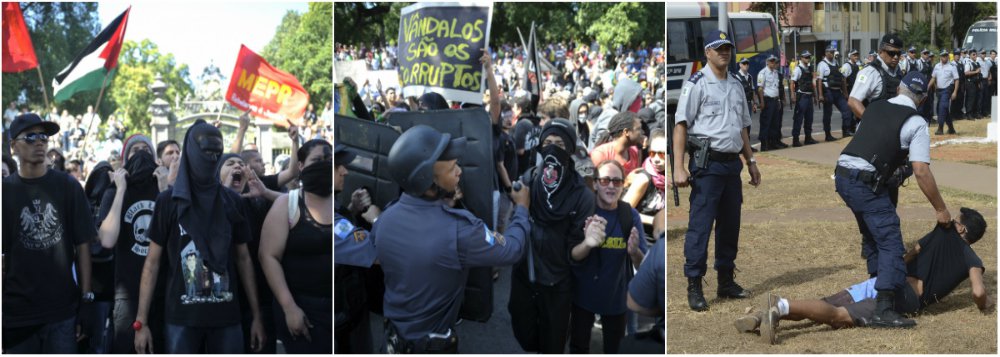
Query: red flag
x=266 y=91
x=18 y=53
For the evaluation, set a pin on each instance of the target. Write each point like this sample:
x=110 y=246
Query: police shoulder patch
x=343 y=228
x=696 y=77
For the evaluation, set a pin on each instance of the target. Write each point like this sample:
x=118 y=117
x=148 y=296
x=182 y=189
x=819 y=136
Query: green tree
x=626 y=23
x=918 y=34
x=364 y=22
x=768 y=7
x=59 y=31
x=129 y=96
x=306 y=50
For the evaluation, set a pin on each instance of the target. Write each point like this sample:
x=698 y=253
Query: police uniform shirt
x=715 y=109
x=823 y=70
x=984 y=66
x=769 y=80
x=750 y=80
x=869 y=83
x=426 y=248
x=846 y=69
x=352 y=245
x=968 y=66
x=913 y=136
x=944 y=75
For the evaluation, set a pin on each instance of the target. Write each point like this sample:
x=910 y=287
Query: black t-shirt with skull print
x=44 y=220
x=133 y=238
x=195 y=295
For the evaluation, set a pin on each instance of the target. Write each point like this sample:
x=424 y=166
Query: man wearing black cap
x=709 y=112
x=423 y=242
x=879 y=80
x=945 y=78
x=972 y=79
x=354 y=254
x=890 y=134
x=48 y=226
x=833 y=91
x=199 y=226
x=541 y=288
x=909 y=63
x=803 y=84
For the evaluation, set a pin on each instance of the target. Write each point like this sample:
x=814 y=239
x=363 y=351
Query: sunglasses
x=603 y=181
x=659 y=154
x=892 y=53
x=32 y=137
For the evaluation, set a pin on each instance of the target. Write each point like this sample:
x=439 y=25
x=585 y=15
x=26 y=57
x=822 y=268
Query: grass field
x=799 y=239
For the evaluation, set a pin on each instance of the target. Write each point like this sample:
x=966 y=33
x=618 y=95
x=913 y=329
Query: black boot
x=830 y=137
x=696 y=298
x=728 y=288
x=778 y=144
x=795 y=142
x=886 y=315
x=809 y=140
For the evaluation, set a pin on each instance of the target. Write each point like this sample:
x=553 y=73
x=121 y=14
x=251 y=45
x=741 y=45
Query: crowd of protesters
x=589 y=147
x=376 y=58
x=162 y=247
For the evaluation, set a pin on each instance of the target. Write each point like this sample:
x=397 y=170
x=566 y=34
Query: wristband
x=137 y=325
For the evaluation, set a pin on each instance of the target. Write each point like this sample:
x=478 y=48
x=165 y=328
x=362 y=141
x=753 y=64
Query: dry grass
x=799 y=240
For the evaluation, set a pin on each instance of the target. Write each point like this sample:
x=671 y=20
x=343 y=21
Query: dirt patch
x=797 y=239
x=971 y=153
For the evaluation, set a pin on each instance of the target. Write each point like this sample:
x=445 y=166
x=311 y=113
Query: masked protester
x=125 y=213
x=198 y=226
x=296 y=251
x=541 y=293
x=424 y=162
x=97 y=336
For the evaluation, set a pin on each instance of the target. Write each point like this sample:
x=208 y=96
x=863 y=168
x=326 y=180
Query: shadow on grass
x=676 y=233
x=797 y=277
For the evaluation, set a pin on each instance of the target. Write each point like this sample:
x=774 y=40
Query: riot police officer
x=944 y=77
x=890 y=134
x=879 y=80
x=422 y=242
x=354 y=254
x=833 y=91
x=802 y=87
x=710 y=106
x=972 y=71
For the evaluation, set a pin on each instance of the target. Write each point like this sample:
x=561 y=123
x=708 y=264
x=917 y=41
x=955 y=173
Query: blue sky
x=199 y=32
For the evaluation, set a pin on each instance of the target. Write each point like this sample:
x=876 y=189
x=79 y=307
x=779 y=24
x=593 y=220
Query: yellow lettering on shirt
x=614 y=243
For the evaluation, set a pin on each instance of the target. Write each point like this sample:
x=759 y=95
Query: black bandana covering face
x=552 y=173
x=555 y=184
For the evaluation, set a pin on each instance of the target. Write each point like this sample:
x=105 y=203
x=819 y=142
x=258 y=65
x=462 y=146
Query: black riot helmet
x=412 y=157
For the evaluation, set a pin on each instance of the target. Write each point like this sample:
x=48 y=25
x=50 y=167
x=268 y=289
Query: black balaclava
x=556 y=188
x=317 y=178
x=201 y=208
x=140 y=168
x=98 y=182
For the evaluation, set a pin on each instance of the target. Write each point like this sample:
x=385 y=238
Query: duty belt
x=723 y=156
x=866 y=177
x=432 y=343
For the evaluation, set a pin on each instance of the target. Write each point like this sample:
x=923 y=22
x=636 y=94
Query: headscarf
x=201 y=208
x=659 y=179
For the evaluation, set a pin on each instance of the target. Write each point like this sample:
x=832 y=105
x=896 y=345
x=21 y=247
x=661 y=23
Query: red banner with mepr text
x=266 y=91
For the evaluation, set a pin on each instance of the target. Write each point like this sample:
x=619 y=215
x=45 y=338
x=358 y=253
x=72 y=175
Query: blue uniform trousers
x=834 y=97
x=716 y=197
x=882 y=240
x=803 y=108
x=775 y=127
x=927 y=109
x=944 y=103
x=769 y=117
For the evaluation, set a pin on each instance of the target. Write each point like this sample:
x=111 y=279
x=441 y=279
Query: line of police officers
x=712 y=121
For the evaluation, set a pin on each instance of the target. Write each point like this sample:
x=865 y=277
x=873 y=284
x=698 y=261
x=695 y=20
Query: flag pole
x=45 y=94
x=90 y=122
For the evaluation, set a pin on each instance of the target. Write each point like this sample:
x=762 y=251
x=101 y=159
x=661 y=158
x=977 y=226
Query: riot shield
x=478 y=185
x=370 y=142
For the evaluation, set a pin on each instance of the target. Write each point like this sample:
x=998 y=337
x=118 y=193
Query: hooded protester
x=433 y=101
x=627 y=97
x=125 y=213
x=200 y=227
x=541 y=292
x=296 y=251
x=579 y=110
x=97 y=339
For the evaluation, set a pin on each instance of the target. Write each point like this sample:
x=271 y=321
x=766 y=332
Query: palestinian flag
x=96 y=62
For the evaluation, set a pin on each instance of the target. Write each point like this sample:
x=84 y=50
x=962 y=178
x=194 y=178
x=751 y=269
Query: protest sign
x=439 y=49
x=265 y=91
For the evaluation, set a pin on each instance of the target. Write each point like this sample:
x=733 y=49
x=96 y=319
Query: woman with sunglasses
x=645 y=187
x=612 y=247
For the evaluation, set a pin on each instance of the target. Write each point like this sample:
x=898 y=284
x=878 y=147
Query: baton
x=670 y=157
x=531 y=255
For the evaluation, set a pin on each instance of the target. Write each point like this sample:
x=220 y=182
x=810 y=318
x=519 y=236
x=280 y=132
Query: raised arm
x=244 y=124
x=292 y=171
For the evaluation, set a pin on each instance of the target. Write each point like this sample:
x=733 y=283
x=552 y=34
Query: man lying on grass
x=935 y=266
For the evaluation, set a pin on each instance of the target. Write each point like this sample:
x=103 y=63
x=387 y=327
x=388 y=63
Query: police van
x=982 y=35
x=754 y=35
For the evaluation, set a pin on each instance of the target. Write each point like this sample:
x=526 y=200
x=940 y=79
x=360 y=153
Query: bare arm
x=274 y=236
x=494 y=89
x=856 y=107
x=925 y=179
x=680 y=150
x=636 y=189
x=292 y=171
x=150 y=270
x=979 y=294
x=912 y=253
x=111 y=226
x=245 y=268
x=244 y=124
x=634 y=306
x=83 y=266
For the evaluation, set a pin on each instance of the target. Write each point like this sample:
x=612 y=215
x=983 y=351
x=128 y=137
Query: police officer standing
x=957 y=104
x=985 y=66
x=892 y=134
x=925 y=66
x=972 y=79
x=426 y=247
x=944 y=77
x=878 y=80
x=850 y=70
x=833 y=91
x=711 y=117
x=769 y=80
x=802 y=86
x=749 y=88
x=909 y=63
